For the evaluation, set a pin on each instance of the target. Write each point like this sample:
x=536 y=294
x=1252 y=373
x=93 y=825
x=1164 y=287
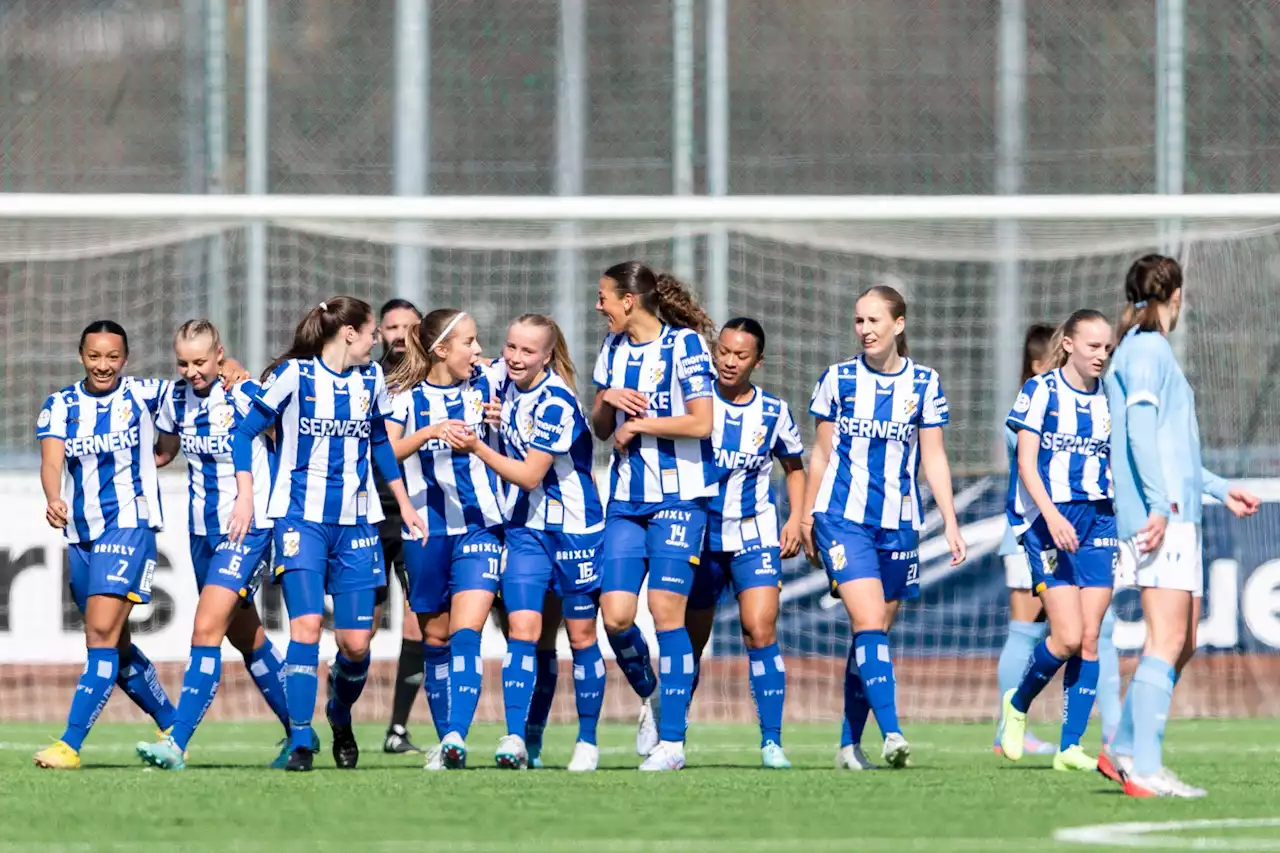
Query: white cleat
x=1162 y=784
x=435 y=759
x=853 y=758
x=511 y=753
x=647 y=728
x=586 y=758
x=896 y=752
x=454 y=751
x=667 y=755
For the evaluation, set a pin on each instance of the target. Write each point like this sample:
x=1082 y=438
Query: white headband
x=447 y=329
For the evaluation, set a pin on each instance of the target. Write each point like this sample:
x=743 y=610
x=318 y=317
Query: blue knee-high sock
x=266 y=666
x=465 y=678
x=1079 y=689
x=1018 y=647
x=137 y=677
x=92 y=693
x=519 y=672
x=769 y=687
x=676 y=666
x=199 y=686
x=1152 y=692
x=1108 y=678
x=435 y=681
x=544 y=693
x=588 y=690
x=1041 y=669
x=871 y=651
x=348 y=677
x=300 y=687
x=856 y=708
x=632 y=654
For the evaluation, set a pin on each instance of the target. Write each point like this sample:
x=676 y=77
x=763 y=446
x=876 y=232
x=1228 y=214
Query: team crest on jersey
x=222 y=417
x=757 y=438
x=360 y=404
x=1106 y=424
x=526 y=424
x=909 y=407
x=291 y=542
x=475 y=403
x=658 y=373
x=121 y=414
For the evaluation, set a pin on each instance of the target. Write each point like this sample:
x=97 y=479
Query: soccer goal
x=975 y=271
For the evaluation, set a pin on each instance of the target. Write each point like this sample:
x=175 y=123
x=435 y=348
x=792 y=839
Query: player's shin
x=769 y=687
x=435 y=662
x=301 y=663
x=588 y=690
x=519 y=672
x=676 y=666
x=544 y=693
x=137 y=677
x=199 y=686
x=92 y=692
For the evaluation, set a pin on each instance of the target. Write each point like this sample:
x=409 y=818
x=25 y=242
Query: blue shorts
x=754 y=566
x=240 y=568
x=120 y=562
x=565 y=563
x=852 y=551
x=345 y=556
x=442 y=566
x=1093 y=563
x=665 y=542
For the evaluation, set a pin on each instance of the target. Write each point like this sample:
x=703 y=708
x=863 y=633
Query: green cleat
x=283 y=758
x=1073 y=758
x=773 y=758
x=1013 y=729
x=163 y=754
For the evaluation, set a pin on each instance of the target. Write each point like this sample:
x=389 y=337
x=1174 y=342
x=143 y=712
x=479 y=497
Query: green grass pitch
x=957 y=796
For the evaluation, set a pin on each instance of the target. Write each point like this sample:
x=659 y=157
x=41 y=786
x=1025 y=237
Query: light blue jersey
x=1144 y=371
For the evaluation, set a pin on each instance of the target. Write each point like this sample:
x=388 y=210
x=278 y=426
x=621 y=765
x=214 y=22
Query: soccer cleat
x=285 y=750
x=57 y=756
x=511 y=753
x=434 y=760
x=1073 y=758
x=163 y=754
x=454 y=751
x=667 y=755
x=397 y=742
x=1013 y=729
x=896 y=752
x=773 y=758
x=346 y=752
x=586 y=758
x=1031 y=745
x=300 y=760
x=161 y=734
x=1114 y=767
x=853 y=758
x=1162 y=784
x=647 y=728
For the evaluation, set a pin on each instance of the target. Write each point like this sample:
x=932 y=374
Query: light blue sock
x=1122 y=741
x=199 y=686
x=1079 y=689
x=435 y=681
x=519 y=672
x=1177 y=676
x=92 y=693
x=1152 y=692
x=856 y=707
x=871 y=651
x=769 y=687
x=1108 y=678
x=632 y=653
x=677 y=668
x=1041 y=669
x=588 y=690
x=465 y=678
x=266 y=666
x=1019 y=645
x=348 y=678
x=544 y=694
x=300 y=687
x=138 y=678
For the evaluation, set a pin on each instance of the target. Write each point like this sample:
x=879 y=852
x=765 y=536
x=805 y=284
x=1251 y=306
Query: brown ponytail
x=897 y=306
x=1150 y=282
x=561 y=361
x=322 y=325
x=662 y=296
x=418 y=358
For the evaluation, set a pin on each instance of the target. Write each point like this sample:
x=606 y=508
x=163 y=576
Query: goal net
x=973 y=282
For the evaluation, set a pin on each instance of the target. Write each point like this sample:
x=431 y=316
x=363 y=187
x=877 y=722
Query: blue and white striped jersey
x=739 y=455
x=549 y=418
x=204 y=425
x=871 y=475
x=1075 y=431
x=1144 y=370
x=324 y=426
x=109 y=479
x=454 y=492
x=672 y=369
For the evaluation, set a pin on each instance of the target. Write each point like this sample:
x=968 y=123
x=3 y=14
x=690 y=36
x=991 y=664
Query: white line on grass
x=1157 y=834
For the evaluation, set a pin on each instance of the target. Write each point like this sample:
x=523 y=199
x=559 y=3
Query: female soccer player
x=1026 y=616
x=328 y=403
x=554 y=524
x=441 y=388
x=98 y=471
x=1060 y=507
x=1159 y=481
x=745 y=546
x=654 y=385
x=876 y=413
x=199 y=415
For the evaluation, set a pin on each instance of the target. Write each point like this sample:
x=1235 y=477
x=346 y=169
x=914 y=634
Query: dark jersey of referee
x=389 y=530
